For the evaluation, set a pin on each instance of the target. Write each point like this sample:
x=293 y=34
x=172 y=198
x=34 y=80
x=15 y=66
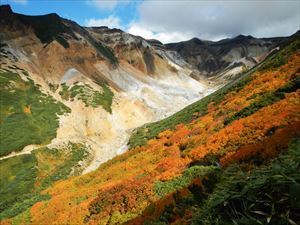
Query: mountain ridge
x=211 y=58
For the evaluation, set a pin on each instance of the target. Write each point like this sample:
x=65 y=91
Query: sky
x=173 y=21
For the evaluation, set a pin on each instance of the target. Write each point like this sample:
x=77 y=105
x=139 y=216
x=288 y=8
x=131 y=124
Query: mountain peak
x=197 y=41
x=154 y=41
x=53 y=15
x=5 y=9
x=241 y=36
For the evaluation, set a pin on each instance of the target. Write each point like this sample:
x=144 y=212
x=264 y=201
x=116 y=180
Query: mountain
x=110 y=82
x=225 y=58
x=89 y=133
x=107 y=81
x=232 y=157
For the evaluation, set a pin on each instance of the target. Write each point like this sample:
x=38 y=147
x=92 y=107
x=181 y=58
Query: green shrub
x=64 y=93
x=53 y=87
x=19 y=128
x=164 y=188
x=267 y=99
x=268 y=195
x=88 y=95
x=17 y=178
x=20 y=174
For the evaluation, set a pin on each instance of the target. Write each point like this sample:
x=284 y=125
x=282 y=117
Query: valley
x=99 y=126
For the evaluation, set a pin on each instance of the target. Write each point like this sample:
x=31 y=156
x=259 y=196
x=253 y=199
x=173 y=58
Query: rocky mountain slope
x=229 y=158
x=225 y=58
x=108 y=88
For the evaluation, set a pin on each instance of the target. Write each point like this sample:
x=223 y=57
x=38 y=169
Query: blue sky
x=175 y=20
x=78 y=10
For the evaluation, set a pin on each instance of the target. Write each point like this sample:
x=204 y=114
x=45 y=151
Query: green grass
x=17 y=178
x=19 y=128
x=24 y=177
x=23 y=218
x=88 y=95
x=268 y=195
x=104 y=99
x=17 y=181
x=164 y=188
x=71 y=157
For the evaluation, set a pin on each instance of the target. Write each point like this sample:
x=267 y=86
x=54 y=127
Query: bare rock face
x=148 y=80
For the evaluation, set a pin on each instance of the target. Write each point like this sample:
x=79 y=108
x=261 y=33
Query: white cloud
x=165 y=37
x=172 y=20
x=21 y=2
x=111 y=22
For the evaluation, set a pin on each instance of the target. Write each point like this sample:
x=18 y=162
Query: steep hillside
x=142 y=134
x=230 y=158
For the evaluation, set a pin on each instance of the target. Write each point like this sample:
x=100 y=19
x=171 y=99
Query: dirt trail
x=26 y=150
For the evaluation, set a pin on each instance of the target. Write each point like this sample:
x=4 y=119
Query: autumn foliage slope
x=218 y=162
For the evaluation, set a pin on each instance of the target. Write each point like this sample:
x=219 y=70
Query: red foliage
x=264 y=150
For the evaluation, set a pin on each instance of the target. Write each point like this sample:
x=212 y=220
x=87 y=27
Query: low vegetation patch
x=164 y=188
x=266 y=194
x=24 y=177
x=270 y=194
x=265 y=100
x=88 y=95
x=20 y=126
